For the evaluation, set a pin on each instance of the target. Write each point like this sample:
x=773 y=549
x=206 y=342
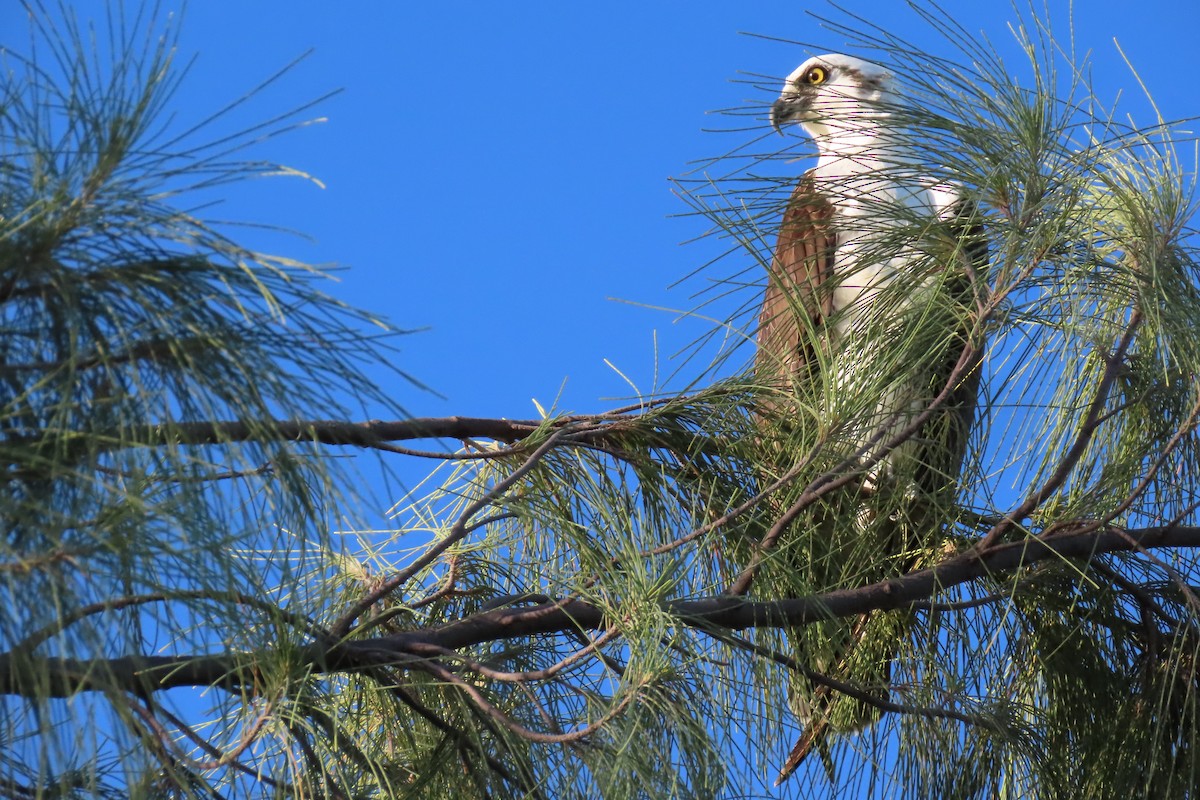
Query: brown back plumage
x=799 y=298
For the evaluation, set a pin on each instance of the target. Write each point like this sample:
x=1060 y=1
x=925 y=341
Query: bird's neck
x=858 y=151
x=863 y=165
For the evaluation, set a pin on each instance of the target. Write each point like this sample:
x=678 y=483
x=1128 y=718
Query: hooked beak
x=790 y=107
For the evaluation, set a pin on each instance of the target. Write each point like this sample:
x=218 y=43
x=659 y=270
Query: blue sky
x=496 y=172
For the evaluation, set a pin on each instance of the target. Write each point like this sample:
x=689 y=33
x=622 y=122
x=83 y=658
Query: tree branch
x=367 y=434
x=29 y=676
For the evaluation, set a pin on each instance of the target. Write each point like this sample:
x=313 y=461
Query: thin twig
x=1114 y=364
x=508 y=722
x=850 y=690
x=39 y=637
x=422 y=649
x=459 y=531
x=209 y=748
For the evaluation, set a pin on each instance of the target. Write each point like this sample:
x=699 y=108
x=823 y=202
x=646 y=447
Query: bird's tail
x=813 y=734
x=862 y=663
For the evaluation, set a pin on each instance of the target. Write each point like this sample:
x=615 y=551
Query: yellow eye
x=815 y=76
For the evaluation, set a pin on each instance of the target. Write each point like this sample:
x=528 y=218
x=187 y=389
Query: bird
x=870 y=315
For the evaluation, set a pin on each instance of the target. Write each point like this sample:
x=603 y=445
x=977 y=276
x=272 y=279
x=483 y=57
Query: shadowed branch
x=32 y=676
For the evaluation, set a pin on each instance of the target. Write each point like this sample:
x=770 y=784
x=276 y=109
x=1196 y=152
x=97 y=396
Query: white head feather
x=833 y=92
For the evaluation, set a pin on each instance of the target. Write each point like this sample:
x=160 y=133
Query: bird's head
x=828 y=89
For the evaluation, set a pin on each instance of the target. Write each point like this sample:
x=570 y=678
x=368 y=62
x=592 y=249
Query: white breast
x=876 y=285
x=869 y=212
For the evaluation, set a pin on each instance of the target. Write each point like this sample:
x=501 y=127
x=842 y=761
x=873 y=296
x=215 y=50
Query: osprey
x=869 y=318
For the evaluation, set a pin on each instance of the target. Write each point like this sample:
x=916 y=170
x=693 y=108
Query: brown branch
x=167 y=742
x=448 y=585
x=215 y=752
x=1186 y=427
x=1185 y=589
x=370 y=434
x=337 y=432
x=588 y=430
x=25 y=675
x=737 y=612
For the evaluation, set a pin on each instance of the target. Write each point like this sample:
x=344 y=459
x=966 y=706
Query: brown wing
x=798 y=299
